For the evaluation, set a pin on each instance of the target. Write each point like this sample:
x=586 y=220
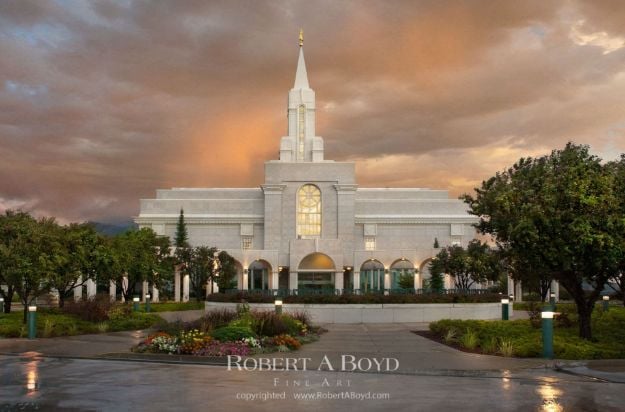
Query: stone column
x=145 y=289
x=78 y=290
x=555 y=289
x=387 y=280
x=518 y=291
x=124 y=287
x=338 y=280
x=177 y=284
x=246 y=275
x=274 y=279
x=292 y=280
x=511 y=286
x=417 y=282
x=91 y=288
x=112 y=290
x=155 y=296
x=185 y=288
x=356 y=280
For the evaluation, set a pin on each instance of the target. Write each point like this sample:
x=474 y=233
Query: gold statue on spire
x=301 y=37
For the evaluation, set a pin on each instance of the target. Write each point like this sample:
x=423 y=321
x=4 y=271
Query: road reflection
x=31 y=371
x=550 y=396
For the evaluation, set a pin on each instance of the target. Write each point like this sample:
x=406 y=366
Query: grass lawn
x=522 y=339
x=52 y=323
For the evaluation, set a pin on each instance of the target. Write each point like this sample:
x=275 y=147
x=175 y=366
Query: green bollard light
x=278 y=306
x=547 y=330
x=135 y=304
x=32 y=322
x=147 y=302
x=606 y=303
x=504 y=308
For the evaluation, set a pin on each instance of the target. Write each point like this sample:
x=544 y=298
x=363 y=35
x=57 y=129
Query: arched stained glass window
x=309 y=211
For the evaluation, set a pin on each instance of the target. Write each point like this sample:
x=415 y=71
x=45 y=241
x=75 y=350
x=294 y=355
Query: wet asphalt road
x=30 y=382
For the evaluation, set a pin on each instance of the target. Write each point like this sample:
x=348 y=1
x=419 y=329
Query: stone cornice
x=273 y=188
x=416 y=219
x=345 y=188
x=199 y=219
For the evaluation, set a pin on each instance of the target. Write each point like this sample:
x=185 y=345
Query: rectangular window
x=369 y=243
x=246 y=242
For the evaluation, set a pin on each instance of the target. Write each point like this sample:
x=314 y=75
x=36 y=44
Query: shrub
x=302 y=316
x=232 y=333
x=293 y=326
x=450 y=335
x=214 y=319
x=268 y=323
x=286 y=340
x=48 y=328
x=95 y=309
x=506 y=347
x=469 y=339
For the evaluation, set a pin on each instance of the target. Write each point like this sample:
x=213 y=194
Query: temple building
x=310 y=225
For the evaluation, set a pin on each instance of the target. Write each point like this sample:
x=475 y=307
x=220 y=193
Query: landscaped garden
x=522 y=338
x=83 y=317
x=224 y=332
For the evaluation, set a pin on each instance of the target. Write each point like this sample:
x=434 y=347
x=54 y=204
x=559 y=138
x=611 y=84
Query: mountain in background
x=112 y=229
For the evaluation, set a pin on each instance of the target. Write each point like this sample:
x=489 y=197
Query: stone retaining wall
x=381 y=313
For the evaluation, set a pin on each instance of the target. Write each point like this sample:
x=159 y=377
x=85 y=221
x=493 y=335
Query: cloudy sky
x=103 y=102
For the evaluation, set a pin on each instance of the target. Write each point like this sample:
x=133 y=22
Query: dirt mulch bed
x=432 y=336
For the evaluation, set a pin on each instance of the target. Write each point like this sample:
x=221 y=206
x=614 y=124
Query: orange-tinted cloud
x=102 y=103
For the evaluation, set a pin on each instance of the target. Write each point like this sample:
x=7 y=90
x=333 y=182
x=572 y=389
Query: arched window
x=258 y=275
x=308 y=211
x=401 y=269
x=371 y=276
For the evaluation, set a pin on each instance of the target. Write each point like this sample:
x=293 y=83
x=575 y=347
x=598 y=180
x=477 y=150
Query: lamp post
x=504 y=308
x=147 y=302
x=552 y=301
x=547 y=330
x=278 y=306
x=32 y=322
x=606 y=303
x=135 y=304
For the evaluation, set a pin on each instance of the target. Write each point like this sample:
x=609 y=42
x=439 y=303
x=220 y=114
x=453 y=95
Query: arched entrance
x=371 y=276
x=401 y=271
x=258 y=275
x=316 y=272
x=425 y=274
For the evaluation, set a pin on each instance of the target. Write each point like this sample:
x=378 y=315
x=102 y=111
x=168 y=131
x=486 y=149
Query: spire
x=301 y=77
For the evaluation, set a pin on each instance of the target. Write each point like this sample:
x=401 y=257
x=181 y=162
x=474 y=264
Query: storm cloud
x=102 y=103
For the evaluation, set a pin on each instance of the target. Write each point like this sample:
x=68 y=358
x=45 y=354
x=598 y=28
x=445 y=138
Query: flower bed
x=228 y=332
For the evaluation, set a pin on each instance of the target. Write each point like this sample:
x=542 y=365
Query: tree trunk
x=25 y=313
x=61 y=300
x=8 y=299
x=584 y=313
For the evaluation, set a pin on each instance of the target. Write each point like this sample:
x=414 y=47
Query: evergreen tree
x=182 y=237
x=436 y=245
x=436 y=283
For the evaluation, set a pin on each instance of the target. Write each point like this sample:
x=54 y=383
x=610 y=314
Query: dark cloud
x=103 y=102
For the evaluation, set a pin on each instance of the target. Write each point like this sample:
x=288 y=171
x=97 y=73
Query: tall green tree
x=475 y=264
x=560 y=214
x=201 y=269
x=15 y=228
x=140 y=255
x=226 y=278
x=617 y=168
x=182 y=235
x=436 y=283
x=82 y=256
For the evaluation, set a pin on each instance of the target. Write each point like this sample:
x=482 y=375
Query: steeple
x=301 y=77
x=301 y=144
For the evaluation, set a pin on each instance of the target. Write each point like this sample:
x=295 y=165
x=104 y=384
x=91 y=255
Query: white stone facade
x=392 y=229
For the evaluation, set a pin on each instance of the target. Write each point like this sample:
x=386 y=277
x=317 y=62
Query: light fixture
x=147 y=296
x=547 y=315
x=606 y=298
x=136 y=299
x=505 y=301
x=32 y=308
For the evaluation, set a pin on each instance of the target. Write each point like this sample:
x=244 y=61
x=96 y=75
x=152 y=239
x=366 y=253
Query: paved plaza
x=97 y=372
